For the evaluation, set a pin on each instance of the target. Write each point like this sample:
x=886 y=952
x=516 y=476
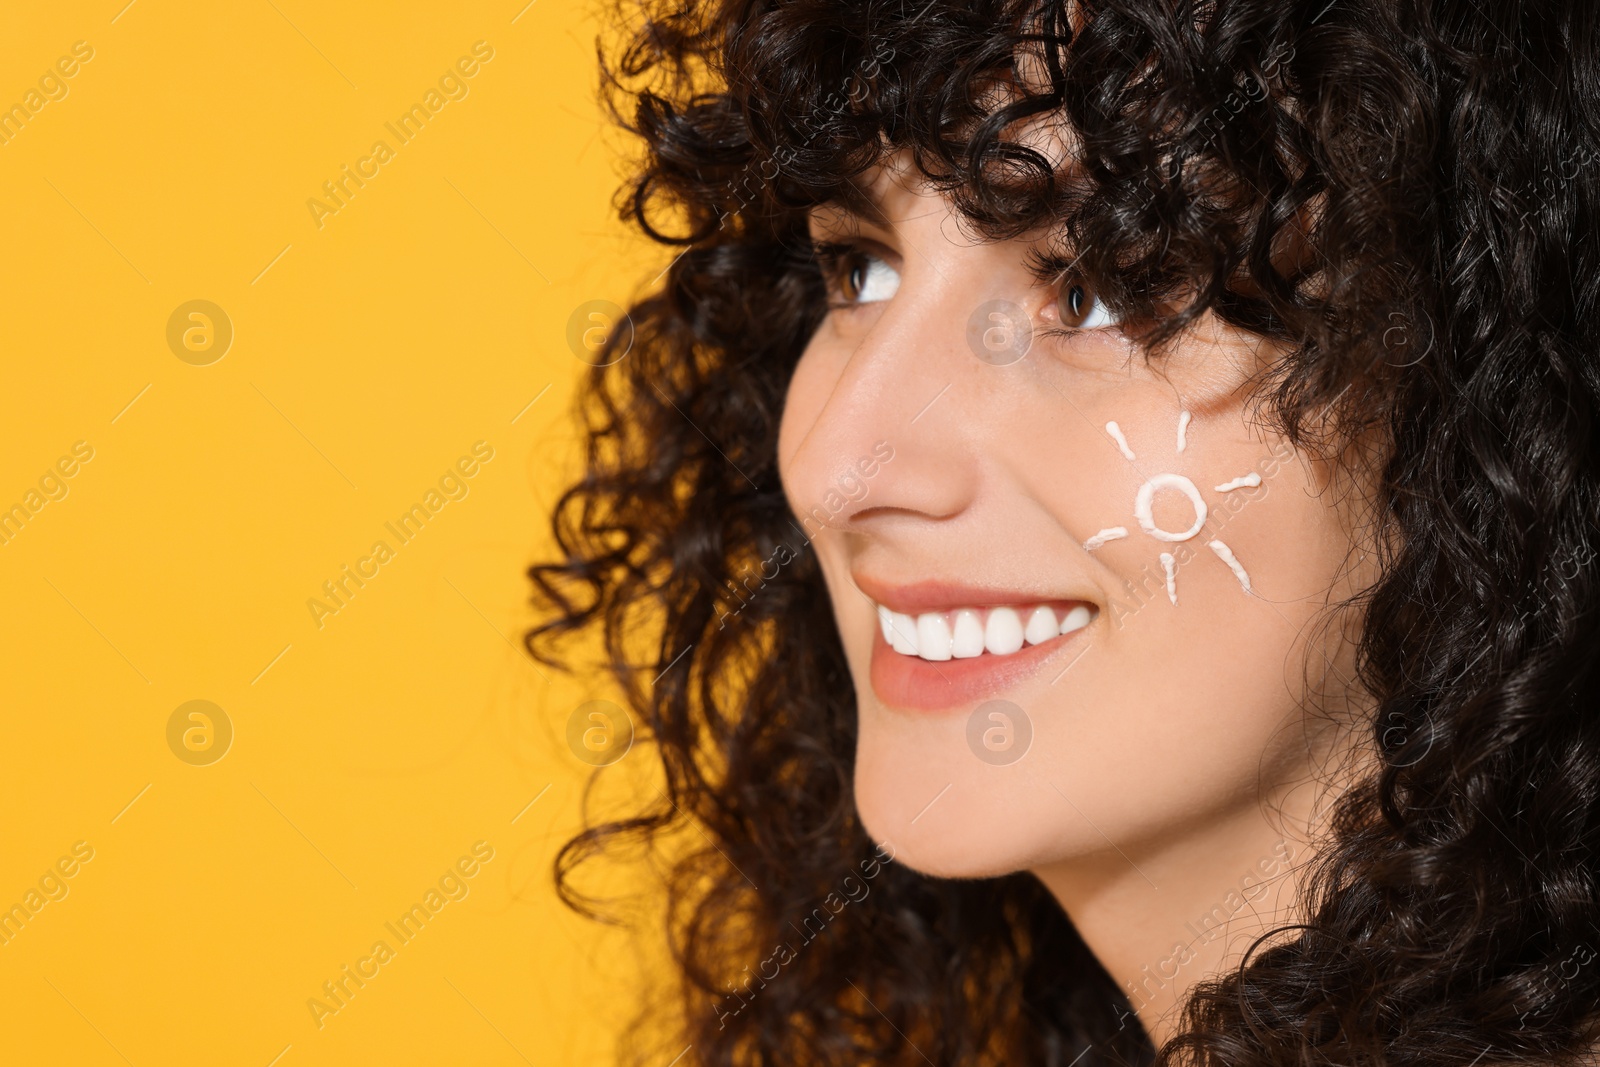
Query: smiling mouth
x=970 y=633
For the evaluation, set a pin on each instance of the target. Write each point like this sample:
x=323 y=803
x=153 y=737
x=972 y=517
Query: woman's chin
x=970 y=839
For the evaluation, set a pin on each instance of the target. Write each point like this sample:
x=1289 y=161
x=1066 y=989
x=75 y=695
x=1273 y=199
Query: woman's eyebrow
x=858 y=203
x=838 y=220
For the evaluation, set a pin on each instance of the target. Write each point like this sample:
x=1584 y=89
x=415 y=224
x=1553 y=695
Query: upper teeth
x=968 y=632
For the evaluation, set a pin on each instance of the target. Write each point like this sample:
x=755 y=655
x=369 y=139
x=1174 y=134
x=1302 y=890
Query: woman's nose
x=887 y=424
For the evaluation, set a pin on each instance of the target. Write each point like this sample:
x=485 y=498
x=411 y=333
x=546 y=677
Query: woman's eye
x=1079 y=306
x=866 y=279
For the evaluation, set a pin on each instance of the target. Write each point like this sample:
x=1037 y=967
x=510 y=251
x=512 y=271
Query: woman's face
x=1100 y=581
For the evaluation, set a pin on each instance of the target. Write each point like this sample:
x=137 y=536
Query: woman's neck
x=1164 y=915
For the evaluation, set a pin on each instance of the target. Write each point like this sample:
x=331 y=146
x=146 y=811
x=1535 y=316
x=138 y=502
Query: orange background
x=372 y=347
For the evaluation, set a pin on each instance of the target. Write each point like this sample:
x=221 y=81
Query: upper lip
x=929 y=595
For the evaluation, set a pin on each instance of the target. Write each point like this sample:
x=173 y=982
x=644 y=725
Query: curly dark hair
x=1404 y=195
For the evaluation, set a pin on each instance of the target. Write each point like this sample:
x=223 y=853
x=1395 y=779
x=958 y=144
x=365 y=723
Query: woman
x=1098 y=522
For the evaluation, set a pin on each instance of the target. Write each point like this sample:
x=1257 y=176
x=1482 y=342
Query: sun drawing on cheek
x=1143 y=511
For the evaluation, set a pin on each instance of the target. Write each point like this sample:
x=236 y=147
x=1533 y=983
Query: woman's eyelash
x=830 y=254
x=840 y=264
x=1079 y=304
x=1060 y=271
x=831 y=258
x=1050 y=267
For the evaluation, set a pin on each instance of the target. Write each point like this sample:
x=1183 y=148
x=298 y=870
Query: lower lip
x=912 y=682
